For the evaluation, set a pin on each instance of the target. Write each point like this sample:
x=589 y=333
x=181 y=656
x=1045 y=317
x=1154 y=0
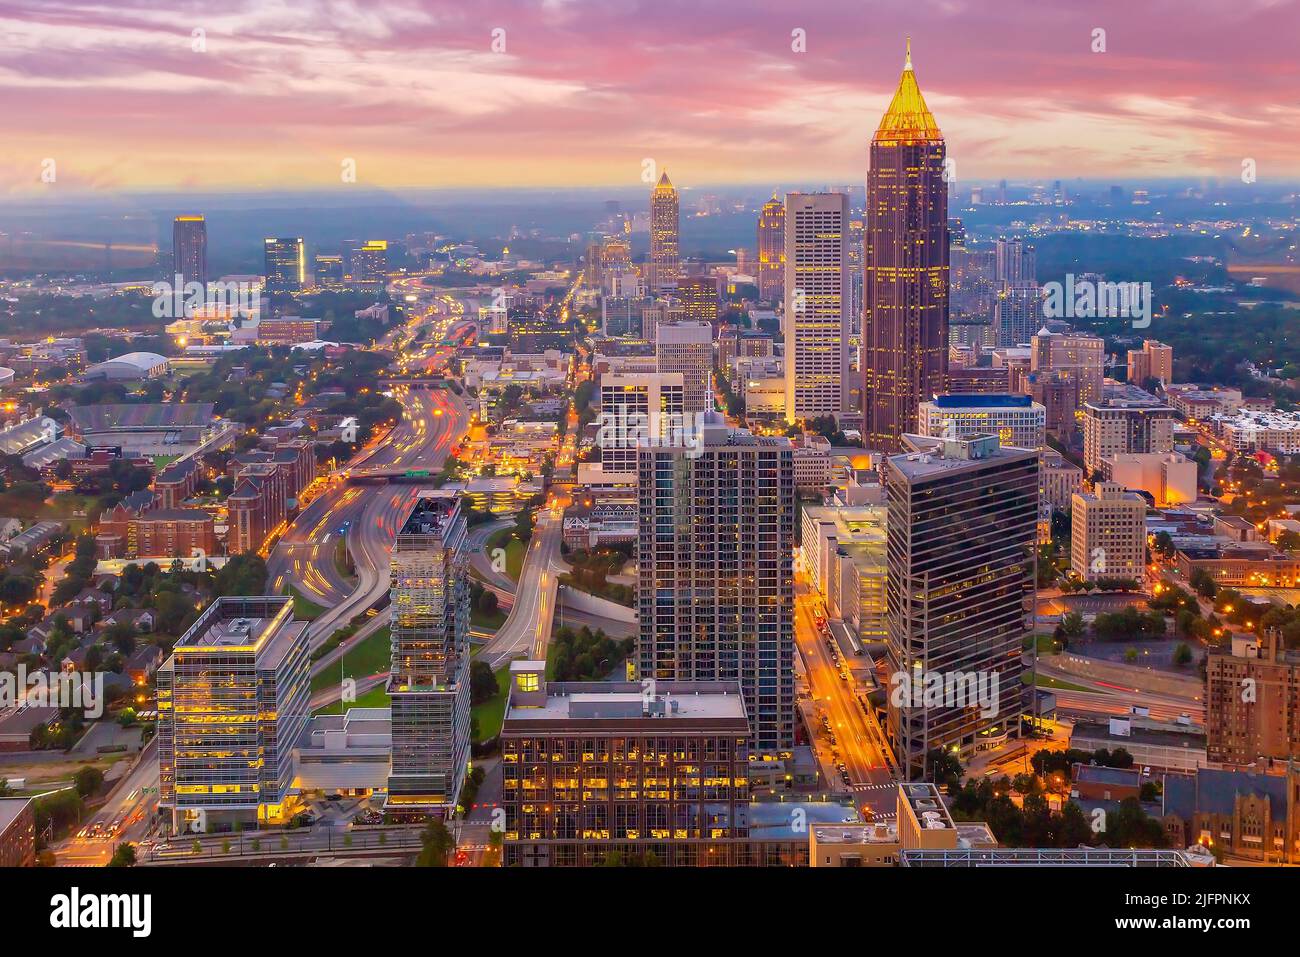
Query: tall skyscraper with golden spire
x=905 y=268
x=665 y=225
x=771 y=250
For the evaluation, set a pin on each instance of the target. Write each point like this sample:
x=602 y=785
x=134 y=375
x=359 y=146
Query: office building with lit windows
x=771 y=251
x=905 y=287
x=716 y=587
x=1017 y=420
x=686 y=348
x=190 y=249
x=233 y=698
x=816 y=322
x=597 y=771
x=636 y=406
x=428 y=681
x=665 y=264
x=286 y=265
x=962 y=532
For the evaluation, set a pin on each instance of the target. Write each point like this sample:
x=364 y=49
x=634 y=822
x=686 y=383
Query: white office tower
x=816 y=299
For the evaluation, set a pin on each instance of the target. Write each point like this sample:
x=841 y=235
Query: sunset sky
x=412 y=91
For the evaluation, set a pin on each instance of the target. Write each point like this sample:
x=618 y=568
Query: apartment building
x=1108 y=533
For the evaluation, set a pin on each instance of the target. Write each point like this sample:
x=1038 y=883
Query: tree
x=1182 y=654
x=482 y=682
x=943 y=768
x=123 y=856
x=437 y=844
x=88 y=780
x=1072 y=624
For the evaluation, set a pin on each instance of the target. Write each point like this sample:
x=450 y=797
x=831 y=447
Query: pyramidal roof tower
x=908 y=119
x=905 y=262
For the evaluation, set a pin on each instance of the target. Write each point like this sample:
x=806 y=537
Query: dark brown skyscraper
x=190 y=249
x=905 y=286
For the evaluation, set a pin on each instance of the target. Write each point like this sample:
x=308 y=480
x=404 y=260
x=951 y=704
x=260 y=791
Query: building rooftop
x=263 y=625
x=965 y=400
x=934 y=457
x=432 y=510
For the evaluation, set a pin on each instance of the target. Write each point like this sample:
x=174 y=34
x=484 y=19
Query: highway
x=433 y=421
x=527 y=629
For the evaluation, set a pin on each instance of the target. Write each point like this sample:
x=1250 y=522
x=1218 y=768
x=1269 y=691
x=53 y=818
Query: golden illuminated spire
x=908 y=119
x=664 y=181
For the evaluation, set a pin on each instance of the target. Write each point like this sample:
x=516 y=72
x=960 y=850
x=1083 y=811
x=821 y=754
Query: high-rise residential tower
x=428 y=679
x=962 y=529
x=190 y=249
x=771 y=250
x=286 y=264
x=816 y=297
x=665 y=231
x=715 y=551
x=905 y=285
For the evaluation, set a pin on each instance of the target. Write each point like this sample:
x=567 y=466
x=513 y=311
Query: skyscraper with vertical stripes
x=905 y=280
x=665 y=232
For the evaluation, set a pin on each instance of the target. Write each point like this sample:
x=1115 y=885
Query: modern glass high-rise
x=286 y=264
x=771 y=250
x=716 y=588
x=962 y=523
x=905 y=284
x=665 y=232
x=190 y=249
x=233 y=698
x=816 y=295
x=428 y=680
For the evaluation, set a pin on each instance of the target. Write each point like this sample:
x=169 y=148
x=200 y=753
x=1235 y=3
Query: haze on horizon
x=279 y=95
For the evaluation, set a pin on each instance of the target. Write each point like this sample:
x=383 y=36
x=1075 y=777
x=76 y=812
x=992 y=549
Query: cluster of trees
x=1129 y=624
x=1099 y=584
x=735 y=403
x=481 y=599
x=586 y=655
x=1033 y=823
x=591 y=569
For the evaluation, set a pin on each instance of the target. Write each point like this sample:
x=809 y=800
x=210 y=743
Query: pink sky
x=412 y=91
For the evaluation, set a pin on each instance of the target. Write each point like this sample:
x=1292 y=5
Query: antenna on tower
x=907 y=63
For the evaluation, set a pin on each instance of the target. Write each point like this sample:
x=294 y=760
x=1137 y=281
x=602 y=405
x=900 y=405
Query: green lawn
x=515 y=550
x=376 y=697
x=160 y=462
x=341 y=556
x=484 y=622
x=369 y=657
x=303 y=608
x=1055 y=683
x=491 y=713
x=1046 y=644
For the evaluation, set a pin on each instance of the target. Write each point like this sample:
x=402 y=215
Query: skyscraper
x=716 y=589
x=428 y=679
x=665 y=225
x=687 y=347
x=633 y=406
x=962 y=528
x=905 y=286
x=190 y=249
x=771 y=250
x=816 y=288
x=286 y=264
x=1016 y=262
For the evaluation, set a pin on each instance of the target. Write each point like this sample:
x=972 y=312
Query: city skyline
x=749 y=99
